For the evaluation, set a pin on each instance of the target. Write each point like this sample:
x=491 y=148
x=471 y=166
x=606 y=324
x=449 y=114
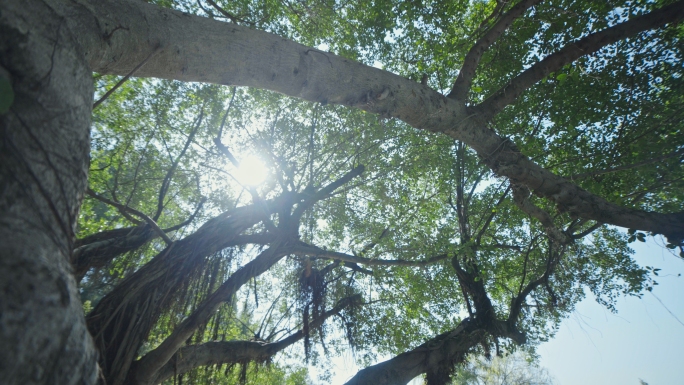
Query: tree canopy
x=443 y=180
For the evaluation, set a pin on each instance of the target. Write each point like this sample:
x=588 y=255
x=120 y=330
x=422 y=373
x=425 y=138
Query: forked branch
x=231 y=352
x=472 y=59
x=135 y=212
x=572 y=51
x=157 y=358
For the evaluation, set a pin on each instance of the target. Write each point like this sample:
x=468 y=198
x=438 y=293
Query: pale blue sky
x=596 y=347
x=643 y=340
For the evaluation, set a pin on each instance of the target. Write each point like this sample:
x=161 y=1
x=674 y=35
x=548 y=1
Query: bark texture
x=121 y=34
x=441 y=352
x=44 y=145
x=231 y=352
x=123 y=318
x=48 y=49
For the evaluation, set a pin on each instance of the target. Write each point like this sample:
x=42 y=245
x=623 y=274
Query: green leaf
x=477 y=89
x=561 y=77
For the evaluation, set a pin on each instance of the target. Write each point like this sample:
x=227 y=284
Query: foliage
x=610 y=121
x=514 y=369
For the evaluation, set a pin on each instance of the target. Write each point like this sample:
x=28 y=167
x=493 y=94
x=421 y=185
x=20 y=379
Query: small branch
x=524 y=269
x=478 y=239
x=223 y=121
x=189 y=220
x=626 y=167
x=325 y=191
x=305 y=249
x=502 y=246
x=521 y=198
x=225 y=13
x=371 y=245
x=552 y=261
x=229 y=352
x=226 y=152
x=135 y=212
x=572 y=51
x=125 y=78
x=169 y=174
x=472 y=59
x=587 y=231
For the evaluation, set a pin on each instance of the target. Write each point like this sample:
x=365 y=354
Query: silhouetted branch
x=572 y=51
x=230 y=352
x=169 y=174
x=472 y=59
x=135 y=212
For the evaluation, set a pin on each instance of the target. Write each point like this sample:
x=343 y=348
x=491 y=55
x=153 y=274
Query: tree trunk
x=44 y=147
x=48 y=50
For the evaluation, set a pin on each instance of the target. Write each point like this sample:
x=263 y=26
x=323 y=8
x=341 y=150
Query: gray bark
x=152 y=362
x=435 y=355
x=232 y=352
x=122 y=320
x=44 y=145
x=121 y=34
x=48 y=49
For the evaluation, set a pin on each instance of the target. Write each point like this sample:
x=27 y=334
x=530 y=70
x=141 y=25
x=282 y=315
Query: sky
x=596 y=347
x=642 y=341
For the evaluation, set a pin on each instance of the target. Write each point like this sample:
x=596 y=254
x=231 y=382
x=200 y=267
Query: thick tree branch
x=198 y=54
x=98 y=253
x=472 y=59
x=439 y=354
x=571 y=52
x=231 y=352
x=154 y=360
x=471 y=282
x=97 y=249
x=119 y=317
x=147 y=367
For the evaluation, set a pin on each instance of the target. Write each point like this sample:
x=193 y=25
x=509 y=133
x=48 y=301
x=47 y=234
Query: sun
x=252 y=171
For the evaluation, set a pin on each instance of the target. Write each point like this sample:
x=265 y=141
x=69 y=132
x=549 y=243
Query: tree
x=516 y=369
x=571 y=110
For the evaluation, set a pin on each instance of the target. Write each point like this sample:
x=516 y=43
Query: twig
x=133 y=211
x=122 y=81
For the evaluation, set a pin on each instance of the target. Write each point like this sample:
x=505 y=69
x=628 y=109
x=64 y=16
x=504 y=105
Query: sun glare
x=252 y=171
